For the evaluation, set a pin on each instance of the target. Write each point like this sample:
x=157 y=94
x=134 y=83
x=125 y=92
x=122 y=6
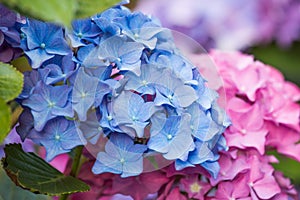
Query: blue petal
x=105 y=163
x=37 y=57
x=84 y=92
x=212 y=167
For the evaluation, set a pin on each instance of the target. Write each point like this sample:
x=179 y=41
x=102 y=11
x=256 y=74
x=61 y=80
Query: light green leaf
x=9 y=191
x=88 y=8
x=11 y=82
x=33 y=173
x=5 y=119
x=59 y=11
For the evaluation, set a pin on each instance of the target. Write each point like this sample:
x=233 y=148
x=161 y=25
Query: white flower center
x=144 y=82
x=109 y=117
x=43 y=45
x=169 y=136
x=57 y=137
x=51 y=104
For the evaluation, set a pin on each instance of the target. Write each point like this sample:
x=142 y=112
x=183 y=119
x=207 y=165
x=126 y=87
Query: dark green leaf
x=11 y=82
x=60 y=11
x=87 y=8
x=5 y=119
x=9 y=191
x=31 y=172
x=286 y=60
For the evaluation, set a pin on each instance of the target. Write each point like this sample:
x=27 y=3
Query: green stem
x=63 y=197
x=76 y=161
x=75 y=167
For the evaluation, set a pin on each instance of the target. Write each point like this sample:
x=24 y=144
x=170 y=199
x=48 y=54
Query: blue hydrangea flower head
x=121 y=84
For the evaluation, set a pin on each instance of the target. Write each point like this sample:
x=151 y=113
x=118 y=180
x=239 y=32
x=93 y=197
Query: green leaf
x=31 y=172
x=87 y=8
x=9 y=191
x=59 y=11
x=289 y=167
x=11 y=82
x=284 y=59
x=5 y=119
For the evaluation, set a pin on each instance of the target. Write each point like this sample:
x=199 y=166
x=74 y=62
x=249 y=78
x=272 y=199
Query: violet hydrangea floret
x=48 y=102
x=9 y=36
x=123 y=79
x=58 y=69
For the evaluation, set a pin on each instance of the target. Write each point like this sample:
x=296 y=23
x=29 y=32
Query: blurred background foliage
x=287 y=60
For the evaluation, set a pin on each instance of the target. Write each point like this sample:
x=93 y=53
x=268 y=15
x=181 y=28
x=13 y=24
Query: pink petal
x=266 y=187
x=176 y=195
x=248 y=139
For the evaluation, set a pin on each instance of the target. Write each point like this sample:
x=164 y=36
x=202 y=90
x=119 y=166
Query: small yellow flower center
x=83 y=95
x=51 y=104
x=195 y=187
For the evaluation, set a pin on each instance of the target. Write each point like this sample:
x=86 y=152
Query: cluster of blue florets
x=118 y=76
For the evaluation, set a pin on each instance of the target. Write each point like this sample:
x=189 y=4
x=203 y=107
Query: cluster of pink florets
x=265 y=116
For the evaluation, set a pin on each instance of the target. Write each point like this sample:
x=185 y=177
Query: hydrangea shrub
x=116 y=83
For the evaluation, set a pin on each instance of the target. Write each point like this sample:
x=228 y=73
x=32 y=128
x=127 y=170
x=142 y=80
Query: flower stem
x=75 y=167
x=16 y=111
x=76 y=161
